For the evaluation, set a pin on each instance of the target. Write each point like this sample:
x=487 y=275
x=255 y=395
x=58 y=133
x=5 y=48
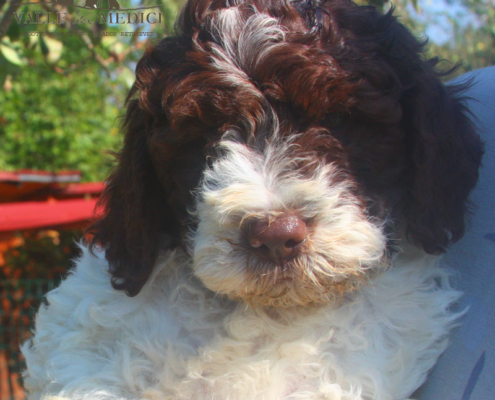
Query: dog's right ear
x=146 y=199
x=136 y=220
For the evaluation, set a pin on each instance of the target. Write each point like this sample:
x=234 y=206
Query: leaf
x=32 y=40
x=54 y=49
x=11 y=55
x=117 y=47
x=107 y=41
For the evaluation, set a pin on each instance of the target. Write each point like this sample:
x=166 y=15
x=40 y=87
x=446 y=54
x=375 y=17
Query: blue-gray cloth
x=466 y=371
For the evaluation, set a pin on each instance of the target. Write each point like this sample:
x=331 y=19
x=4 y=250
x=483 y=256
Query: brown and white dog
x=290 y=170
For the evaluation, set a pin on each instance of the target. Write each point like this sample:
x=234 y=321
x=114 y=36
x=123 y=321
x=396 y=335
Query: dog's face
x=284 y=144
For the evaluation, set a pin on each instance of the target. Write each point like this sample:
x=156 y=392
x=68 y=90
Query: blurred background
x=62 y=90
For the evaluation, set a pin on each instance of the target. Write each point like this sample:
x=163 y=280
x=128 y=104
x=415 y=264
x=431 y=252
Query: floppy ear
x=136 y=222
x=138 y=217
x=443 y=149
x=445 y=155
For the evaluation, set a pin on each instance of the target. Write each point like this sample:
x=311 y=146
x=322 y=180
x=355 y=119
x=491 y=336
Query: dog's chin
x=306 y=280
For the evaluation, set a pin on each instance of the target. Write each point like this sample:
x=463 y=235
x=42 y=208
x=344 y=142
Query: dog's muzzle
x=272 y=236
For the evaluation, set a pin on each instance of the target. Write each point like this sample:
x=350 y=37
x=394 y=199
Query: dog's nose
x=279 y=239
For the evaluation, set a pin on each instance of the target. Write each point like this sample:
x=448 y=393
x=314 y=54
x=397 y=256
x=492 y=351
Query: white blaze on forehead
x=260 y=36
x=243 y=41
x=240 y=42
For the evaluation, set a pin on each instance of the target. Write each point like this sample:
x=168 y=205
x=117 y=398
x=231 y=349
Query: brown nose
x=278 y=239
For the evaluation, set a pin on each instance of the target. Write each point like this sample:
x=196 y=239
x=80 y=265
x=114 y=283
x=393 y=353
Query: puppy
x=290 y=173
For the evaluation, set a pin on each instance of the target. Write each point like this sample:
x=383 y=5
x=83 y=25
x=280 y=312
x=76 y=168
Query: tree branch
x=8 y=16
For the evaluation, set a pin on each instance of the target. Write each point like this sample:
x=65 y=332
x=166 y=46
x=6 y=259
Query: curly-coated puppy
x=289 y=172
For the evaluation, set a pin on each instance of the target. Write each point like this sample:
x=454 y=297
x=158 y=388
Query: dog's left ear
x=444 y=154
x=443 y=149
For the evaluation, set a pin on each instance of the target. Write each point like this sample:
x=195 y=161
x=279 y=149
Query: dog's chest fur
x=177 y=340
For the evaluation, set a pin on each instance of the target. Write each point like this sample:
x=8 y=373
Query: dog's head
x=284 y=144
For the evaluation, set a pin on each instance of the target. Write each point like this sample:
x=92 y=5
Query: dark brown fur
x=354 y=84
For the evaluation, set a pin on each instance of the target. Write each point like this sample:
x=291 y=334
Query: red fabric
x=31 y=214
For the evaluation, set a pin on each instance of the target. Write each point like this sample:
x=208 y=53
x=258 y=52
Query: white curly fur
x=179 y=340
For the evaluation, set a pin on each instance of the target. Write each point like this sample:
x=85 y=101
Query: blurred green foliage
x=55 y=122
x=64 y=90
x=472 y=29
x=473 y=44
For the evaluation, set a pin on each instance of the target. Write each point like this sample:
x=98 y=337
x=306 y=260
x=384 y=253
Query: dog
x=290 y=174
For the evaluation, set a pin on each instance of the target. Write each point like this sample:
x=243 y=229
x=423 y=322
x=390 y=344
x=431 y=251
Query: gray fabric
x=466 y=371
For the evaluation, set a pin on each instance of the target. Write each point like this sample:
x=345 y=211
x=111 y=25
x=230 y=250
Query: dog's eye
x=335 y=121
x=209 y=161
